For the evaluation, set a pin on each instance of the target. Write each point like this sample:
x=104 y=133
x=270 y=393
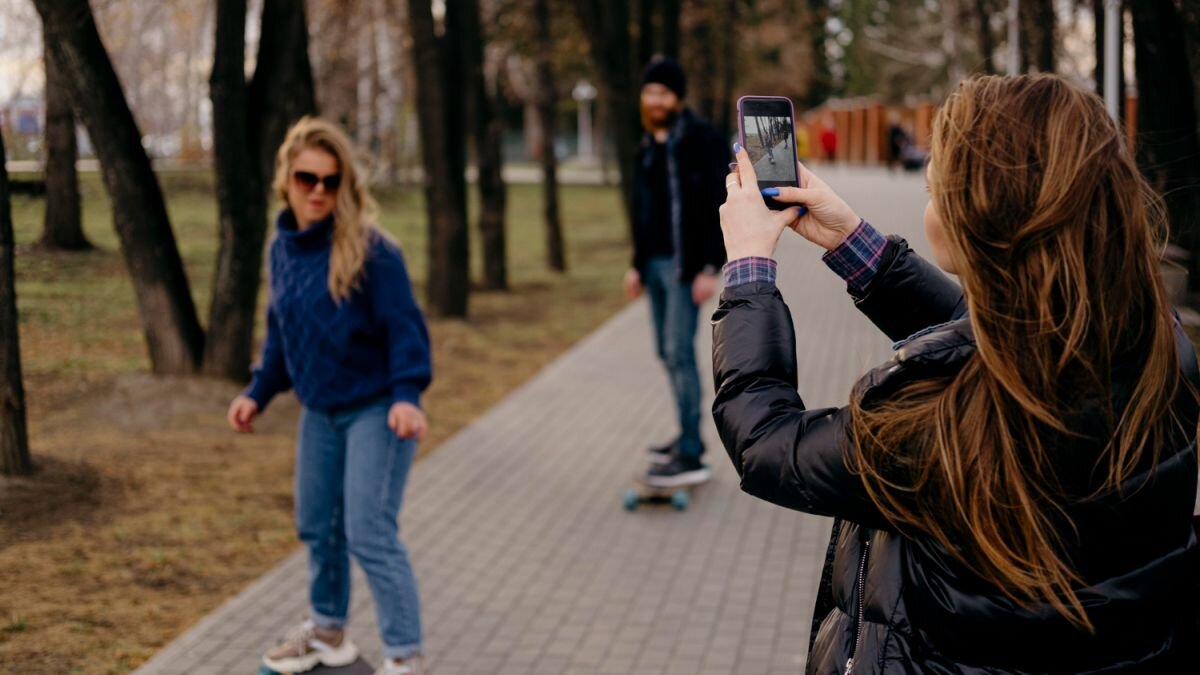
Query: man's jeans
x=350 y=476
x=675 y=317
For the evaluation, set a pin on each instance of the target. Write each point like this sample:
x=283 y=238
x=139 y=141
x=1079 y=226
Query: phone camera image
x=771 y=146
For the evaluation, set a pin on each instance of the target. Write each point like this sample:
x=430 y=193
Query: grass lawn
x=146 y=512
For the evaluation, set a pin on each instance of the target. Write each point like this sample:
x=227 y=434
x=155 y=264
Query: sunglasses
x=308 y=181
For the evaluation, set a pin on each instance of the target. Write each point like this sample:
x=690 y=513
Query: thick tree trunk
x=556 y=256
x=702 y=38
x=249 y=122
x=441 y=121
x=646 y=44
x=242 y=202
x=821 y=84
x=1168 y=143
x=173 y=334
x=14 y=440
x=63 y=225
x=282 y=90
x=670 y=27
x=611 y=45
x=486 y=128
x=725 y=121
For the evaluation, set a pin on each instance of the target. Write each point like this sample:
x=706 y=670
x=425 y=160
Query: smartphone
x=767 y=130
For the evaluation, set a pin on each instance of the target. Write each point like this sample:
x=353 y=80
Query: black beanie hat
x=667 y=72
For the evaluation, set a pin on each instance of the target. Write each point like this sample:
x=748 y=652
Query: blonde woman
x=1015 y=486
x=344 y=331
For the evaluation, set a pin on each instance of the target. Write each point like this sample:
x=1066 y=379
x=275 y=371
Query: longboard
x=359 y=667
x=640 y=492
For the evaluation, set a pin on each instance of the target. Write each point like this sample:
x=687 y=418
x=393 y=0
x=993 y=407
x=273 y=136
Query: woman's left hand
x=750 y=228
x=407 y=421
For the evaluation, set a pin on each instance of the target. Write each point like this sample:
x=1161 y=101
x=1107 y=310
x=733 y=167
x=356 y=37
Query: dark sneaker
x=663 y=454
x=678 y=472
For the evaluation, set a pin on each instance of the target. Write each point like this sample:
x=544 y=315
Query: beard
x=652 y=122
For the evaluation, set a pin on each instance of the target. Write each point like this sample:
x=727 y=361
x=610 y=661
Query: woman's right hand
x=241 y=414
x=829 y=220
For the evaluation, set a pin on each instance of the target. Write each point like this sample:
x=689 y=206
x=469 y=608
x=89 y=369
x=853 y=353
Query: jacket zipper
x=858 y=621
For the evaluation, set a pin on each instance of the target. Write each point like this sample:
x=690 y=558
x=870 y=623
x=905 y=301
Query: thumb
x=795 y=195
x=786 y=217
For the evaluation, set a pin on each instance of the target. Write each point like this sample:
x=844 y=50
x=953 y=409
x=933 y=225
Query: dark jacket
x=698 y=162
x=901 y=604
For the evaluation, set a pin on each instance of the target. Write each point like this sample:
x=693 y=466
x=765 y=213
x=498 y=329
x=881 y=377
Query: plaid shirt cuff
x=749 y=270
x=856 y=260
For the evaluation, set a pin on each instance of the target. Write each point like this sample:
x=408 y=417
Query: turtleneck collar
x=317 y=236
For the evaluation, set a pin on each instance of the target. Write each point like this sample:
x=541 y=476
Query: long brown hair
x=354 y=210
x=1054 y=234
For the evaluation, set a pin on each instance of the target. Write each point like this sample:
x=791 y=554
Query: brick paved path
x=526 y=561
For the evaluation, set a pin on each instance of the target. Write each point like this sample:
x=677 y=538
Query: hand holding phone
x=767 y=130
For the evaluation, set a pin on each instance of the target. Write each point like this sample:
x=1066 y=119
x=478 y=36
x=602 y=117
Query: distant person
x=1014 y=488
x=898 y=142
x=344 y=330
x=678 y=185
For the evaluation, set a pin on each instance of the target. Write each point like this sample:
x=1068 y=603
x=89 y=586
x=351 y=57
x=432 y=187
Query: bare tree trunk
x=987 y=41
x=702 y=37
x=437 y=60
x=821 y=84
x=1048 y=35
x=556 y=256
x=725 y=121
x=63 y=225
x=487 y=130
x=249 y=122
x=282 y=90
x=169 y=321
x=670 y=27
x=611 y=44
x=1168 y=142
x=14 y=440
x=646 y=44
x=241 y=196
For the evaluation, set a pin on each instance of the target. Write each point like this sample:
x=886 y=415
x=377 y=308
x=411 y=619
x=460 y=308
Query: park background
x=138 y=137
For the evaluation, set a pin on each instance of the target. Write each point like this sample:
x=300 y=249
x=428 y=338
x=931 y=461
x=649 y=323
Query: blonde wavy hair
x=354 y=210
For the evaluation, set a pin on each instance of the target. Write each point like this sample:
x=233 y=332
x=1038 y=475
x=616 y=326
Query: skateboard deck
x=359 y=667
x=640 y=492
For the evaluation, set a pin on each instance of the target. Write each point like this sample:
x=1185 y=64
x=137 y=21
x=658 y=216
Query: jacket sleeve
x=636 y=197
x=410 y=366
x=271 y=376
x=909 y=294
x=784 y=453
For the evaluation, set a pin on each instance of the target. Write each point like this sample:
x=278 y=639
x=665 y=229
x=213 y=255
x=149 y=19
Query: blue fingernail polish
x=737 y=148
x=770 y=192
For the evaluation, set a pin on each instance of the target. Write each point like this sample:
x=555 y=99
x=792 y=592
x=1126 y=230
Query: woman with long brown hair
x=343 y=331
x=1015 y=487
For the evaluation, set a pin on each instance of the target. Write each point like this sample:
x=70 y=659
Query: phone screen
x=769 y=136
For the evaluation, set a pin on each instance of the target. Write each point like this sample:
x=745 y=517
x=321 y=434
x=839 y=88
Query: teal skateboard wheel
x=680 y=500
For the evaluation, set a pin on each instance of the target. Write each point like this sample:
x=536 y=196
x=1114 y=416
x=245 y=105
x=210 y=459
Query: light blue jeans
x=350 y=476
x=675 y=317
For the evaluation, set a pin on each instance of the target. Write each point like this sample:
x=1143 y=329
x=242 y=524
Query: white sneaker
x=410 y=666
x=302 y=651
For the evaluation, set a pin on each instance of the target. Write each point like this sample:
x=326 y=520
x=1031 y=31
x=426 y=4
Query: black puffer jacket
x=893 y=604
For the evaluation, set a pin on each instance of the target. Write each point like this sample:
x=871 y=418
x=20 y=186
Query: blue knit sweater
x=336 y=356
